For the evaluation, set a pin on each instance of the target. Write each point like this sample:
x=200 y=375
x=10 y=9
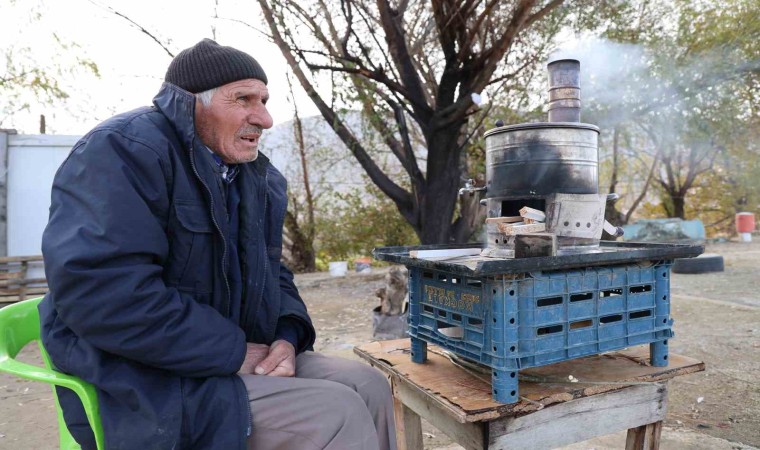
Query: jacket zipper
x=249 y=425
x=218 y=228
x=263 y=234
x=247 y=306
x=226 y=283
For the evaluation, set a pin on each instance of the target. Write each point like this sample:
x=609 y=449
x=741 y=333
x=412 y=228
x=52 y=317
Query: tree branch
x=397 y=194
x=489 y=59
x=138 y=26
x=643 y=193
x=543 y=12
x=394 y=36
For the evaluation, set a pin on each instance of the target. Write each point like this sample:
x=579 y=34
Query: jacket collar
x=178 y=106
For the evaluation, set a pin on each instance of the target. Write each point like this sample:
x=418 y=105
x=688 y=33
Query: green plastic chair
x=19 y=325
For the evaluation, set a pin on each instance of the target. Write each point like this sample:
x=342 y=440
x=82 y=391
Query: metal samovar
x=548 y=166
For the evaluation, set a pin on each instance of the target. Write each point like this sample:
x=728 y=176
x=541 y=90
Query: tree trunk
x=302 y=257
x=611 y=213
x=442 y=186
x=403 y=81
x=678 y=206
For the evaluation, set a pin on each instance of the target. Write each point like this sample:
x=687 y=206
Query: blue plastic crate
x=517 y=321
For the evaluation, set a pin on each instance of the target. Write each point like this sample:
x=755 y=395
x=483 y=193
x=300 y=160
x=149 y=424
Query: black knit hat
x=207 y=65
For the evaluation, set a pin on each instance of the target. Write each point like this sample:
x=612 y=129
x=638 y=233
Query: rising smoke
x=622 y=82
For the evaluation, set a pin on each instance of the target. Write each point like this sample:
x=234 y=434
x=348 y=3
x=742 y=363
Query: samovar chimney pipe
x=564 y=90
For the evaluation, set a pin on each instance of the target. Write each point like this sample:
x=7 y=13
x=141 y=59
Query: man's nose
x=261 y=117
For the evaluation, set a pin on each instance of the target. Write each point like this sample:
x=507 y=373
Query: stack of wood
x=529 y=221
x=15 y=285
x=529 y=232
x=394 y=295
x=389 y=320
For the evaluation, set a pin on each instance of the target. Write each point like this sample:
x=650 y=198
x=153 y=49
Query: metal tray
x=608 y=253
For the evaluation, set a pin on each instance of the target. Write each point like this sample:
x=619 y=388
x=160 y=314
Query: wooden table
x=612 y=392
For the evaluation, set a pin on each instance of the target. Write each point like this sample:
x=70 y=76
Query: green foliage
x=686 y=96
x=351 y=224
x=39 y=74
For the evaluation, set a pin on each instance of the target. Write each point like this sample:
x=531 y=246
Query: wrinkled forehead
x=250 y=86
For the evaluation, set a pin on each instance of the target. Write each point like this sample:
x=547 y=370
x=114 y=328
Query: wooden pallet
x=14 y=284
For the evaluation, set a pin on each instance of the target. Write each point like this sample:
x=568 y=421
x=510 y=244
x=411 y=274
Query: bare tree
x=630 y=160
x=300 y=229
x=684 y=157
x=417 y=69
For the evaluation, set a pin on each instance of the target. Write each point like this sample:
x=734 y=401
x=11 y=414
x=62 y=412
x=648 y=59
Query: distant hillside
x=330 y=165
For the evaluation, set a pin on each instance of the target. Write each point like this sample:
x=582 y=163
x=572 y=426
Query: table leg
x=645 y=437
x=419 y=350
x=504 y=386
x=408 y=424
x=658 y=353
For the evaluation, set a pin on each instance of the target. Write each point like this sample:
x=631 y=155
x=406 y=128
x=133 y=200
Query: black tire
x=708 y=262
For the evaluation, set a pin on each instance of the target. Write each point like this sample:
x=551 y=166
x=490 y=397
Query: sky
x=131 y=64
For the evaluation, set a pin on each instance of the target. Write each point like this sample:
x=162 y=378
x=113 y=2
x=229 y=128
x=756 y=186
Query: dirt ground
x=717 y=320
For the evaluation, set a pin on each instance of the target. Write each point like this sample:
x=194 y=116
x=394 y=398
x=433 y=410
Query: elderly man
x=167 y=292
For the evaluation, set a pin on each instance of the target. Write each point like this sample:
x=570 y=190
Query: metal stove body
x=510 y=314
x=549 y=166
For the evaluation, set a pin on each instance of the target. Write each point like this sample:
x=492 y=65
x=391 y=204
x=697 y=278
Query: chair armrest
x=84 y=390
x=35 y=373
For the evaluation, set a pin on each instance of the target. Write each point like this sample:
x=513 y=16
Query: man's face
x=232 y=124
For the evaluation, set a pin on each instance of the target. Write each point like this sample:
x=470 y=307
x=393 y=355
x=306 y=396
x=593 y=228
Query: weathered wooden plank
x=9 y=275
x=582 y=419
x=35 y=290
x=10 y=291
x=527 y=212
x=20 y=259
x=408 y=424
x=645 y=437
x=505 y=219
x=510 y=229
x=31 y=292
x=389 y=356
x=468 y=397
x=21 y=281
x=469 y=435
x=14 y=284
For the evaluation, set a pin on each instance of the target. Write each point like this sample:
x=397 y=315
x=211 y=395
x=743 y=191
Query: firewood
x=527 y=212
x=394 y=294
x=505 y=219
x=521 y=229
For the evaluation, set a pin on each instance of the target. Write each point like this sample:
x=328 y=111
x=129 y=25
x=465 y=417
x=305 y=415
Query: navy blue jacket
x=139 y=304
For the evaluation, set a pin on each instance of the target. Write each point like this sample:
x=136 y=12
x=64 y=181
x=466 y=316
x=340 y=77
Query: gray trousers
x=331 y=403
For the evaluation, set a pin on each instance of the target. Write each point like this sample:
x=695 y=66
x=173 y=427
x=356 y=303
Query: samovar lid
x=541 y=125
